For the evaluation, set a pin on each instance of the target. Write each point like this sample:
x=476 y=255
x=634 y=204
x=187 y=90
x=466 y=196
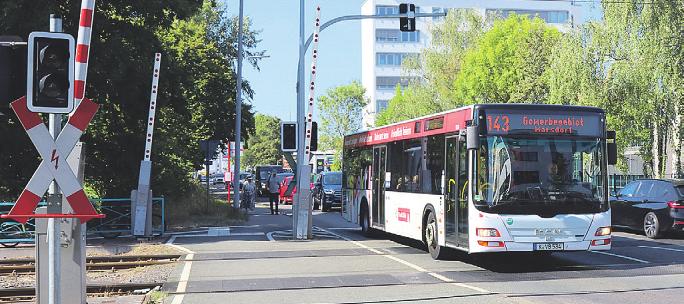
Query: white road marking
x=622 y=256
x=662 y=248
x=471 y=287
x=270 y=236
x=345 y=228
x=440 y=277
x=246 y=233
x=181 y=248
x=416 y=267
x=190 y=235
x=185 y=274
x=188 y=232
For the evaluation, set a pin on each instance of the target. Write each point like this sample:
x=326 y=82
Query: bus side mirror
x=612 y=148
x=472 y=138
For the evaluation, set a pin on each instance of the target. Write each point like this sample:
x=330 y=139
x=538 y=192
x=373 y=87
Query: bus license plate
x=548 y=246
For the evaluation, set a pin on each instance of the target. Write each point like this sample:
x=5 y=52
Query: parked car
x=283 y=196
x=650 y=205
x=327 y=191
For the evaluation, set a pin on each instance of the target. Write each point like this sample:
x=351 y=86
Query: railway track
x=27 y=294
x=93 y=263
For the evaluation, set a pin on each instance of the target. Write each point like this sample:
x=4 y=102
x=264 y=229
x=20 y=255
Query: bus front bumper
x=588 y=245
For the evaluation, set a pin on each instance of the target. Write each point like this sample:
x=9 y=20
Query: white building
x=383 y=46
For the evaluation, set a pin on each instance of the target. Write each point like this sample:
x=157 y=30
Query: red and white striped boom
x=309 y=116
x=83 y=49
x=153 y=106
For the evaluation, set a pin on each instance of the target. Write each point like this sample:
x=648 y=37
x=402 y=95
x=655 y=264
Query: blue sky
x=340 y=49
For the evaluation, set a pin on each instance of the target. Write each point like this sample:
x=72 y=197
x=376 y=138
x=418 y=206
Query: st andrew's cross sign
x=54 y=165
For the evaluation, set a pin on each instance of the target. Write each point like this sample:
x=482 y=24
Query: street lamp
x=238 y=123
x=238 y=115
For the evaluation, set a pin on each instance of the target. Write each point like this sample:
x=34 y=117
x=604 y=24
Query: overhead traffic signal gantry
x=50 y=72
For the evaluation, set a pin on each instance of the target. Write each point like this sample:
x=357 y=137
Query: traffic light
x=408 y=23
x=288 y=136
x=314 y=136
x=12 y=71
x=50 y=73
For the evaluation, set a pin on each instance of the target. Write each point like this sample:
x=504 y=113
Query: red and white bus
x=485 y=178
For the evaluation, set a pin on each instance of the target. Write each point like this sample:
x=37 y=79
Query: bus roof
x=446 y=122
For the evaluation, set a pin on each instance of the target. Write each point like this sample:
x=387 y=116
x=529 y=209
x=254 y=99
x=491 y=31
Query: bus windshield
x=518 y=175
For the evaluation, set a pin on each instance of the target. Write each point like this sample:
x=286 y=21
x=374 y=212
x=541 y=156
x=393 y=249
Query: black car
x=652 y=205
x=327 y=192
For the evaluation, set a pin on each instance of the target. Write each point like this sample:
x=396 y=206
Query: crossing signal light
x=50 y=72
x=314 y=136
x=288 y=136
x=408 y=22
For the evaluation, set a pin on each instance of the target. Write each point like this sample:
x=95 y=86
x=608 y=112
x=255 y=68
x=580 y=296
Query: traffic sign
x=407 y=23
x=50 y=72
x=209 y=147
x=53 y=166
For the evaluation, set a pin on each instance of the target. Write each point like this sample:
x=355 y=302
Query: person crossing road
x=273 y=191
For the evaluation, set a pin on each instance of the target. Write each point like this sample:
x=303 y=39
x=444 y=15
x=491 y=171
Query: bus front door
x=379 y=169
x=456 y=194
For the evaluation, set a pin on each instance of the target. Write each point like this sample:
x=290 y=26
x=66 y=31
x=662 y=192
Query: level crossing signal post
x=50 y=89
x=406 y=18
x=141 y=198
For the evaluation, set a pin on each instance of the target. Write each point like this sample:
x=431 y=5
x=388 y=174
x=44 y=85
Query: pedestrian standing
x=273 y=192
x=249 y=193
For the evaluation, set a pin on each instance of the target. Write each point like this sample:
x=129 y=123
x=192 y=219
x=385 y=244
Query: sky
x=339 y=60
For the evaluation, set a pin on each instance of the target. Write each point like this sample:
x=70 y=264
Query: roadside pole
x=142 y=197
x=302 y=216
x=302 y=164
x=238 y=115
x=54 y=205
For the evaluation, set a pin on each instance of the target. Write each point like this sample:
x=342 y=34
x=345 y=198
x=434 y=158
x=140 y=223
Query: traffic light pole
x=301 y=217
x=54 y=229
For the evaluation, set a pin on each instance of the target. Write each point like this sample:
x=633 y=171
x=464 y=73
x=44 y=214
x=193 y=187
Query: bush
x=192 y=210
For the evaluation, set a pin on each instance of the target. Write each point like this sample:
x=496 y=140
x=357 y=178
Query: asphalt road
x=259 y=263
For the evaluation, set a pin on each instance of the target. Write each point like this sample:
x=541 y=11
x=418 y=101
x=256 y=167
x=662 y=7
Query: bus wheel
x=430 y=234
x=365 y=222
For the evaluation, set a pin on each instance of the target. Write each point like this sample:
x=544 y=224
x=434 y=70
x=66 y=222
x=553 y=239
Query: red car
x=287 y=199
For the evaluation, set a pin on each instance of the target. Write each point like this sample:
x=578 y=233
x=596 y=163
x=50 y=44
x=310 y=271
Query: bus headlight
x=603 y=231
x=487 y=232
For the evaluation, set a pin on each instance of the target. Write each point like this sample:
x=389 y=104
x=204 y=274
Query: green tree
x=340 y=115
x=434 y=72
x=632 y=65
x=264 y=143
x=196 y=90
x=509 y=63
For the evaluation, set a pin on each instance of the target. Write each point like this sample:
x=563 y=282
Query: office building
x=383 y=46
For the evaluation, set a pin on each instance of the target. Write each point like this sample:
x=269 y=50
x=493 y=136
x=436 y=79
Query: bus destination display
x=509 y=122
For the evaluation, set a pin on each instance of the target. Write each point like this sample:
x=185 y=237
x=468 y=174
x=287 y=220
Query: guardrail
x=116 y=223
